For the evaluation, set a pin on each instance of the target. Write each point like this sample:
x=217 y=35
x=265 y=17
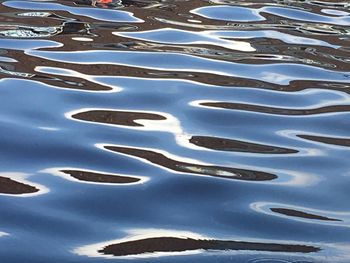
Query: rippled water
x=174 y=131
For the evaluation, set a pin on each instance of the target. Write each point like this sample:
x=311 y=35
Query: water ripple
x=144 y=243
x=193 y=167
x=98 y=14
x=130 y=126
x=94 y=177
x=277 y=73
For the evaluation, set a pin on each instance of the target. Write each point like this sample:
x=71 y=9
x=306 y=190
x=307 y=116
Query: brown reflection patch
x=296 y=213
x=100 y=178
x=172 y=244
x=222 y=144
x=276 y=111
x=327 y=140
x=9 y=186
x=216 y=171
x=126 y=118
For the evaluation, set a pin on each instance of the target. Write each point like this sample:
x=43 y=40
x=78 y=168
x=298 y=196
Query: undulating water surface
x=174 y=131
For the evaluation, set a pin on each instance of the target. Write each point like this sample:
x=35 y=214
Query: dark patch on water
x=277 y=111
x=126 y=118
x=211 y=170
x=99 y=177
x=223 y=144
x=9 y=186
x=327 y=140
x=301 y=214
x=172 y=244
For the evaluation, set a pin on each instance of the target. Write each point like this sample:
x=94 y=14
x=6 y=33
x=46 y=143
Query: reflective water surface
x=174 y=131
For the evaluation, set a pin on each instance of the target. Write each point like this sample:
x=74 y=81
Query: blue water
x=186 y=131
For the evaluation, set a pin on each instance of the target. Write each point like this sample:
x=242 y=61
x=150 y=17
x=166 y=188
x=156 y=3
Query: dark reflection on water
x=117 y=117
x=327 y=140
x=9 y=186
x=172 y=244
x=237 y=113
x=295 y=213
x=277 y=111
x=216 y=171
x=99 y=177
x=222 y=144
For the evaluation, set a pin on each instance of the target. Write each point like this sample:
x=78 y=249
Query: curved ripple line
x=229 y=13
x=178 y=164
x=133 y=119
x=25 y=44
x=331 y=109
x=95 y=13
x=329 y=140
x=224 y=144
x=271 y=34
x=103 y=81
x=177 y=36
x=296 y=14
x=245 y=14
x=279 y=73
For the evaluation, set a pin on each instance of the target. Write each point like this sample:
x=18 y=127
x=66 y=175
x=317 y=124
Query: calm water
x=174 y=131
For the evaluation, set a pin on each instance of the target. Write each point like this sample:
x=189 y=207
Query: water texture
x=174 y=131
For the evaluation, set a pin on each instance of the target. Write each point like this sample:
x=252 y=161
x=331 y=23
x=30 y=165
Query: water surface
x=174 y=131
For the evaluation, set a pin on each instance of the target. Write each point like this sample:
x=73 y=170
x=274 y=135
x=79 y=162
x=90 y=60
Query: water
x=174 y=131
